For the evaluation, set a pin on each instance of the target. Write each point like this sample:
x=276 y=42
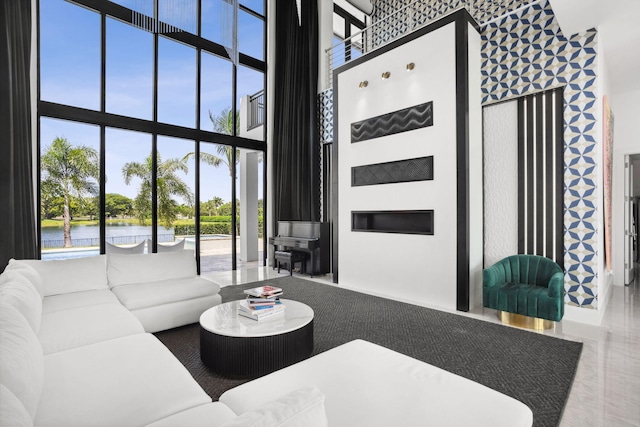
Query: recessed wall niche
x=403 y=222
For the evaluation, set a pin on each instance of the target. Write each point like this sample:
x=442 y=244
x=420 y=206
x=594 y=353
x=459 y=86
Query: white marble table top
x=223 y=319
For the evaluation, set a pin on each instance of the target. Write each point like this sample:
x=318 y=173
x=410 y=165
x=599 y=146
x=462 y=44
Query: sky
x=70 y=74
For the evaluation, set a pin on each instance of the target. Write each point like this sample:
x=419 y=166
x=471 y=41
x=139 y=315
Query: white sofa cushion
x=62 y=330
x=128 y=269
x=28 y=272
x=77 y=300
x=12 y=411
x=126 y=250
x=299 y=408
x=21 y=359
x=154 y=293
x=16 y=290
x=71 y=275
x=213 y=414
x=133 y=380
x=369 y=385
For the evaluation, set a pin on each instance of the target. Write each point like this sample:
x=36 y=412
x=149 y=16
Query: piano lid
x=306 y=229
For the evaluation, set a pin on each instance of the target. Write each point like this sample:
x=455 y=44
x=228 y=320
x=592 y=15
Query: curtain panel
x=296 y=156
x=17 y=211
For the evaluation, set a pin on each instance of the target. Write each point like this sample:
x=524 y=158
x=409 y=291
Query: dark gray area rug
x=537 y=370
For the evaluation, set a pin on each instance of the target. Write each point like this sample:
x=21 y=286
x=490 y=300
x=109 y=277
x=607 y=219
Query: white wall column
x=325 y=40
x=248 y=205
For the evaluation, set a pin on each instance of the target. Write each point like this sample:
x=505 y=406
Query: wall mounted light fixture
x=411 y=66
x=363 y=84
x=386 y=75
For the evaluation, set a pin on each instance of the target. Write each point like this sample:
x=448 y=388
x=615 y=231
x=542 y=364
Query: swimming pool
x=71 y=253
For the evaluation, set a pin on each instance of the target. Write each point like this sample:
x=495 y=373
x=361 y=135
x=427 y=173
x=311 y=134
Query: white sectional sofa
x=74 y=352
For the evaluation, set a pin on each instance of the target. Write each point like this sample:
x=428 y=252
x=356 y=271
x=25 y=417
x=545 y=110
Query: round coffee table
x=237 y=346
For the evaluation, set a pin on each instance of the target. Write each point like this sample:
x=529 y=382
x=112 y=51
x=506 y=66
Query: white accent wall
x=418 y=268
x=500 y=181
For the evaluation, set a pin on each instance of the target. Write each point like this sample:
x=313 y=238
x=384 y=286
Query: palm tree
x=216 y=202
x=222 y=123
x=168 y=185
x=70 y=171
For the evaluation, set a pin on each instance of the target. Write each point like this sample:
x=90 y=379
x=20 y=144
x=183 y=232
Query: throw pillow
x=169 y=247
x=300 y=408
x=136 y=249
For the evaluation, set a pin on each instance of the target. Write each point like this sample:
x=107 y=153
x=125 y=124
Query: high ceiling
x=618 y=35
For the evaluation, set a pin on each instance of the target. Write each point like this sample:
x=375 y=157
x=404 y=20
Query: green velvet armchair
x=530 y=285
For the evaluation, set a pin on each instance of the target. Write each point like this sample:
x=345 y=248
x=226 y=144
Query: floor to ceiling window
x=147 y=109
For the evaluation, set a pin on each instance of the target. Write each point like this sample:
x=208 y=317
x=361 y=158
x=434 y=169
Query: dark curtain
x=296 y=156
x=17 y=215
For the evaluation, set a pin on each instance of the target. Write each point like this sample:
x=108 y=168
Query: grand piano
x=304 y=236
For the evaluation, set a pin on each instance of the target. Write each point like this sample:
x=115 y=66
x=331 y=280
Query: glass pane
x=69 y=189
x=129 y=74
x=128 y=187
x=178 y=14
x=255 y=5
x=250 y=87
x=176 y=184
x=211 y=25
x=216 y=93
x=215 y=207
x=250 y=35
x=69 y=54
x=250 y=213
x=356 y=42
x=176 y=83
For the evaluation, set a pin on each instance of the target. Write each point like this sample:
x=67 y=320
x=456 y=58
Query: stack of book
x=261 y=303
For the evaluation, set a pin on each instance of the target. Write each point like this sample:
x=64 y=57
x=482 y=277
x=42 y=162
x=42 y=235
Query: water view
x=117 y=234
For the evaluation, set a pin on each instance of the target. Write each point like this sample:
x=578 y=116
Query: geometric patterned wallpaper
x=421 y=12
x=325 y=124
x=325 y=111
x=526 y=53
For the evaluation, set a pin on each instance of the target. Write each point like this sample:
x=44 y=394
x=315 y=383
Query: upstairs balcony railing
x=256 y=110
x=416 y=14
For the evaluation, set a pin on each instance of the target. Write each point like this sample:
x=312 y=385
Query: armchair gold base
x=522 y=321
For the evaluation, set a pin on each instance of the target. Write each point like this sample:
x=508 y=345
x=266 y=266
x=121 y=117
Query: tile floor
x=606 y=389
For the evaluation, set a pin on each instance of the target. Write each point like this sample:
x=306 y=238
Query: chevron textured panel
x=410 y=118
x=420 y=169
x=526 y=53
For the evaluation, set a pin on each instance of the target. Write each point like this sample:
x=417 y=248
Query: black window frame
x=103 y=119
x=349 y=20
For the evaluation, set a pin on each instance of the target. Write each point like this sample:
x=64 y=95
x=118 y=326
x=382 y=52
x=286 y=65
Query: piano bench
x=290 y=258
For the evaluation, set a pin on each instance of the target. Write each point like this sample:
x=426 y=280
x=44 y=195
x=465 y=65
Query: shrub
x=219 y=218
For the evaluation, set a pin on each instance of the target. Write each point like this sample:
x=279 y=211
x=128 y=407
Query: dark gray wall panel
x=419 y=169
x=411 y=118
